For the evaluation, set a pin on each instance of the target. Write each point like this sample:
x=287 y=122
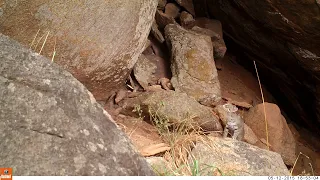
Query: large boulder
x=279 y=134
x=192 y=64
x=97 y=41
x=172 y=107
x=50 y=124
x=230 y=157
x=283 y=37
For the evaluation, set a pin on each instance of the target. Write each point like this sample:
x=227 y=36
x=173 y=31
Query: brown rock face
x=172 y=10
x=149 y=69
x=219 y=47
x=96 y=41
x=186 y=20
x=283 y=36
x=187 y=4
x=280 y=136
x=163 y=19
x=162 y=4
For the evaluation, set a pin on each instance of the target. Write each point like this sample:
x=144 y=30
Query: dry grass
x=44 y=42
x=34 y=39
x=181 y=137
x=267 y=132
x=295 y=163
x=34 y=46
x=264 y=106
x=54 y=49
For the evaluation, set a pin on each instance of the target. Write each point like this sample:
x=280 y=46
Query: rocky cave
x=149 y=62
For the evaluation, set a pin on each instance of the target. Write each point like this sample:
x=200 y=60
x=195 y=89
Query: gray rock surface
x=237 y=158
x=97 y=41
x=50 y=124
x=216 y=34
x=160 y=165
x=173 y=107
x=149 y=69
x=144 y=71
x=219 y=47
x=192 y=64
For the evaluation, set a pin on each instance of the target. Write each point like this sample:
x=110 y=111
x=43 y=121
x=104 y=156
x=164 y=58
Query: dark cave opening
x=287 y=108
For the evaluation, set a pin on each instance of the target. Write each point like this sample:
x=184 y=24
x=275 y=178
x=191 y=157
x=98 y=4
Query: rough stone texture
x=159 y=165
x=172 y=10
x=280 y=136
x=174 y=107
x=192 y=64
x=294 y=131
x=163 y=19
x=212 y=28
x=187 y=4
x=186 y=20
x=219 y=47
x=249 y=136
x=149 y=69
x=144 y=136
x=97 y=41
x=241 y=103
x=237 y=158
x=143 y=71
x=283 y=37
x=162 y=4
x=50 y=124
x=211 y=24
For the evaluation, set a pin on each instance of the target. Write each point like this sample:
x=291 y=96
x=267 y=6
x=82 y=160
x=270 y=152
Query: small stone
x=186 y=20
x=161 y=4
x=172 y=10
x=163 y=19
